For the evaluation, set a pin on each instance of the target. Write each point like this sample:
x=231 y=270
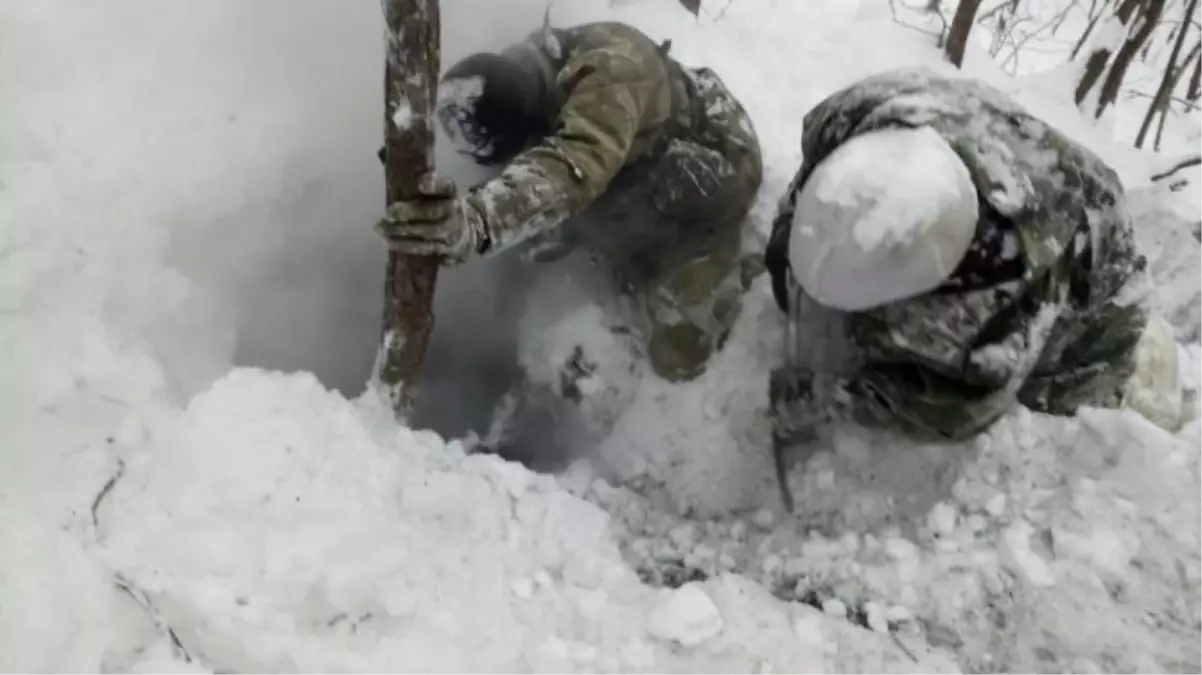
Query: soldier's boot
x=1155 y=390
x=690 y=311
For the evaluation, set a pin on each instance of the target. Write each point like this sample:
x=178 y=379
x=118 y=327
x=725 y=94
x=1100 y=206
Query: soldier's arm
x=556 y=179
x=924 y=372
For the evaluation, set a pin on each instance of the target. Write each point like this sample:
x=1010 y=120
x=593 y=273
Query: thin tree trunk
x=1122 y=61
x=1168 y=96
x=1164 y=116
x=957 y=36
x=410 y=81
x=1168 y=82
x=1195 y=82
x=1096 y=65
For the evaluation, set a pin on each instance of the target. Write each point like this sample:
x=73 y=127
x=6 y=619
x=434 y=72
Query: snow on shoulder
x=888 y=215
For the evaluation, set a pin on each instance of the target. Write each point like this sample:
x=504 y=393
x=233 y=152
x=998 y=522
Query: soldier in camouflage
x=610 y=146
x=1016 y=282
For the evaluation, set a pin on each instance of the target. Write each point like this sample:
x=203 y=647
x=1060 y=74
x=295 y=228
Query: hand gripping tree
x=410 y=84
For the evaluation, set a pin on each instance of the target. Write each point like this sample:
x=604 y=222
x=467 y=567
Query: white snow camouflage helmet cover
x=887 y=216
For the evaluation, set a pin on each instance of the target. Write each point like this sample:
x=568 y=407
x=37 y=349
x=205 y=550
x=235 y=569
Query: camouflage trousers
x=668 y=231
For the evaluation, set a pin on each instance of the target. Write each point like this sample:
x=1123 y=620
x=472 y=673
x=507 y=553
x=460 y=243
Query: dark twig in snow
x=1183 y=164
x=925 y=31
x=104 y=491
x=902 y=646
x=139 y=597
x=1175 y=99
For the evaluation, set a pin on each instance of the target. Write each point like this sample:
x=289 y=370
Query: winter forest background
x=190 y=292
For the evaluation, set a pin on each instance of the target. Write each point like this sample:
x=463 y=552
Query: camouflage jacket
x=1041 y=282
x=615 y=96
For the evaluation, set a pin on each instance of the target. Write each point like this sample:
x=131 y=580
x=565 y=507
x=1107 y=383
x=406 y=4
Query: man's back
x=609 y=50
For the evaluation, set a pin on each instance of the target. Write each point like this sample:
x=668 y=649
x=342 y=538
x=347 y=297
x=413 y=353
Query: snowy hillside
x=191 y=481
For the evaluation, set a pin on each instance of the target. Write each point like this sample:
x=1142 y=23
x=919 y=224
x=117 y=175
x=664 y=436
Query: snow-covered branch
x=1177 y=166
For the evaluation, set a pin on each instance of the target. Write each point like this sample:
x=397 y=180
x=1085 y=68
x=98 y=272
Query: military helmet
x=488 y=107
x=887 y=216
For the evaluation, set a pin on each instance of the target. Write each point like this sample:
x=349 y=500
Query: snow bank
x=275 y=526
x=166 y=218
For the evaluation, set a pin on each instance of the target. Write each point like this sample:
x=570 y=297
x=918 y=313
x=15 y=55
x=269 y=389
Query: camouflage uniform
x=650 y=167
x=1043 y=310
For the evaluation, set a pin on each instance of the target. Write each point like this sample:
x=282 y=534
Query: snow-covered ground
x=189 y=187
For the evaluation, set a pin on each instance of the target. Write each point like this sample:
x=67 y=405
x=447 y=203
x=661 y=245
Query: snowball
x=877 y=617
x=835 y=607
x=996 y=505
x=523 y=588
x=887 y=216
x=1017 y=553
x=687 y=617
x=402 y=117
x=942 y=519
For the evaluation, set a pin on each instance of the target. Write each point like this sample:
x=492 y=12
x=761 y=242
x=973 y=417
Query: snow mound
x=276 y=526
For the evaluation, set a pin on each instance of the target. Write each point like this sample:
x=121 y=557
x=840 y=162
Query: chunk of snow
x=942 y=519
x=687 y=616
x=1019 y=556
x=1103 y=548
x=523 y=588
x=835 y=607
x=996 y=505
x=402 y=117
x=877 y=617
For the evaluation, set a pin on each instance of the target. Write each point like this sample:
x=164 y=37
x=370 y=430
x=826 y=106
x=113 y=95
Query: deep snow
x=187 y=187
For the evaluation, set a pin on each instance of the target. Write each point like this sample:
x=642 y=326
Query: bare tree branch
x=1183 y=164
x=925 y=31
x=1096 y=65
x=1169 y=82
x=934 y=8
x=1150 y=16
x=1096 y=10
x=1194 y=91
x=1184 y=103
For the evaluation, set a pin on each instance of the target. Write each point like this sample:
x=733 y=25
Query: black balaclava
x=491 y=106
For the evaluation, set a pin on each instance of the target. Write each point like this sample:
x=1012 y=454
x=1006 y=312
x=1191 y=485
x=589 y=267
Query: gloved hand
x=437 y=222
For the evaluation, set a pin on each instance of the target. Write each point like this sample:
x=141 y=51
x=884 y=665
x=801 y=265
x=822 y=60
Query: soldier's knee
x=692 y=181
x=678 y=353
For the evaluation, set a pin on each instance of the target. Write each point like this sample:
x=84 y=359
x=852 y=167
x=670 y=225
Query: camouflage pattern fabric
x=1045 y=310
x=650 y=168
